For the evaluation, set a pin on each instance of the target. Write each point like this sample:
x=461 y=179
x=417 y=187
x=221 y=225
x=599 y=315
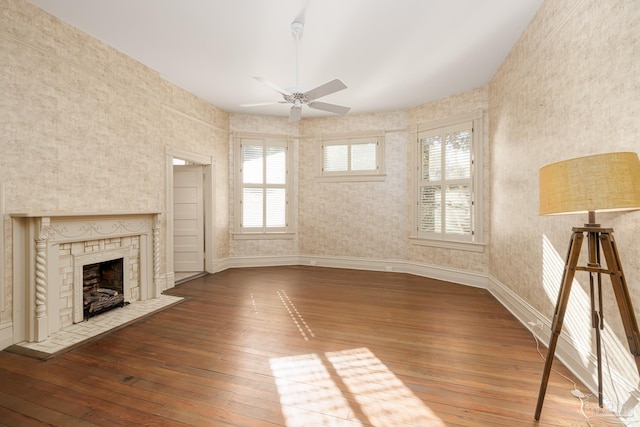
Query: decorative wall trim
x=195 y=119
x=97 y=229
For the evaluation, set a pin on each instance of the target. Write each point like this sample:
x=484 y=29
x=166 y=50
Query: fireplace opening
x=102 y=287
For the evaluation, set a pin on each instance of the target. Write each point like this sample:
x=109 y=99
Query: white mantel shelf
x=78 y=214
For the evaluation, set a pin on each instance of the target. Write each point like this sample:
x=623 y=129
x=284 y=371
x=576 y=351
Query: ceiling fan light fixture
x=299 y=97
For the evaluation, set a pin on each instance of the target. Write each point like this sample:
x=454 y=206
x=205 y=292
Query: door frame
x=208 y=200
x=191 y=177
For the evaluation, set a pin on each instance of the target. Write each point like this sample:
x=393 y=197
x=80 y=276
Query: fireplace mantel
x=51 y=241
x=78 y=215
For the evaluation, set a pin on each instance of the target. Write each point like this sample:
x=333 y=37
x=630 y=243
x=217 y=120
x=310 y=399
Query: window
x=448 y=181
x=354 y=156
x=263 y=185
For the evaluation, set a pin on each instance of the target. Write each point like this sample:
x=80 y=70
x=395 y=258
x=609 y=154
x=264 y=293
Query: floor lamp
x=599 y=183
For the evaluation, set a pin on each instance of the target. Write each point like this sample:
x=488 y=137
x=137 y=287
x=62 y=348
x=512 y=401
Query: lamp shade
x=599 y=183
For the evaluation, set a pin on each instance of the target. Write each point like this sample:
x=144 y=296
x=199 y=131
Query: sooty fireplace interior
x=102 y=287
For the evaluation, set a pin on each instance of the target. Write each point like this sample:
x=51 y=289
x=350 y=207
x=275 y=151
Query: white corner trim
x=2 y=243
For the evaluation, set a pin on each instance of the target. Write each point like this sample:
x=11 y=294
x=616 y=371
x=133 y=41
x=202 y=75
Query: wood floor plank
x=300 y=346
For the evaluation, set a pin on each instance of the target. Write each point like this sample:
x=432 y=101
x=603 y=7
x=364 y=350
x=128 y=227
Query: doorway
x=188 y=220
x=190 y=225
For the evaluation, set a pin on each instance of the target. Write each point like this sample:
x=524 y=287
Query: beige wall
x=367 y=220
x=354 y=219
x=241 y=123
x=84 y=128
x=451 y=107
x=79 y=117
x=569 y=88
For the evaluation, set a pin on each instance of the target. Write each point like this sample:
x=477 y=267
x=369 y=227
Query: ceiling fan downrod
x=296 y=29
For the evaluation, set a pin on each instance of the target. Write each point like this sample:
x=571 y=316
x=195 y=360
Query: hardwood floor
x=300 y=346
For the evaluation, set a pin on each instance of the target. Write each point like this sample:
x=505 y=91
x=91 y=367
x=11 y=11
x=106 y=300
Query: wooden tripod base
x=598 y=238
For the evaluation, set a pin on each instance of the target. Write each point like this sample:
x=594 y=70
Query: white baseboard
x=258 y=261
x=540 y=326
x=452 y=275
x=6 y=335
x=567 y=353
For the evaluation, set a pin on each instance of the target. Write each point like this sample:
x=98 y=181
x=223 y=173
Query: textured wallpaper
x=569 y=88
x=240 y=123
x=84 y=127
x=81 y=118
x=451 y=107
x=364 y=219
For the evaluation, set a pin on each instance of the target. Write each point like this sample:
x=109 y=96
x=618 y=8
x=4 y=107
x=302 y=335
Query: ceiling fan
x=297 y=95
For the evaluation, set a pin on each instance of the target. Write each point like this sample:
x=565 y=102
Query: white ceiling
x=391 y=54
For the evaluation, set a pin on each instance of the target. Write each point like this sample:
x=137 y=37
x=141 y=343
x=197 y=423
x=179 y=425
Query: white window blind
x=264 y=177
x=363 y=157
x=355 y=155
x=336 y=158
x=445 y=196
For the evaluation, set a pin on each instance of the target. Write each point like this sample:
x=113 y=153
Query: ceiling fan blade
x=272 y=85
x=325 y=89
x=332 y=108
x=295 y=113
x=303 y=11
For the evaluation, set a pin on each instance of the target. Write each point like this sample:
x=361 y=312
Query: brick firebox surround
x=48 y=279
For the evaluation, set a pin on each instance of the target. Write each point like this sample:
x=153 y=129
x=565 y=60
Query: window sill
x=448 y=244
x=263 y=236
x=352 y=178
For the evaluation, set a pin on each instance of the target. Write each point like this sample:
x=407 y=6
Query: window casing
x=448 y=194
x=352 y=157
x=263 y=186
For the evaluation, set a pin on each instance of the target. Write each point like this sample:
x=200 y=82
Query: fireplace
x=102 y=287
x=102 y=277
x=49 y=282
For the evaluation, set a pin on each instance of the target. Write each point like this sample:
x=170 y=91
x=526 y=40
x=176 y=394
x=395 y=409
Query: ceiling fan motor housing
x=296 y=29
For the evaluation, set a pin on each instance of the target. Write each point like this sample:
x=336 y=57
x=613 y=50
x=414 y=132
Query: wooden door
x=188 y=218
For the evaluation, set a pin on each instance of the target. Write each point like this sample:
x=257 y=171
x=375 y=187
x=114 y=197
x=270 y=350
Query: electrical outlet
x=313 y=262
x=388 y=268
x=537 y=324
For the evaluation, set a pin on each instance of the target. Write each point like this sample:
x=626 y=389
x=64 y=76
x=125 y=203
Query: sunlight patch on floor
x=349 y=387
x=298 y=320
x=308 y=395
x=381 y=396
